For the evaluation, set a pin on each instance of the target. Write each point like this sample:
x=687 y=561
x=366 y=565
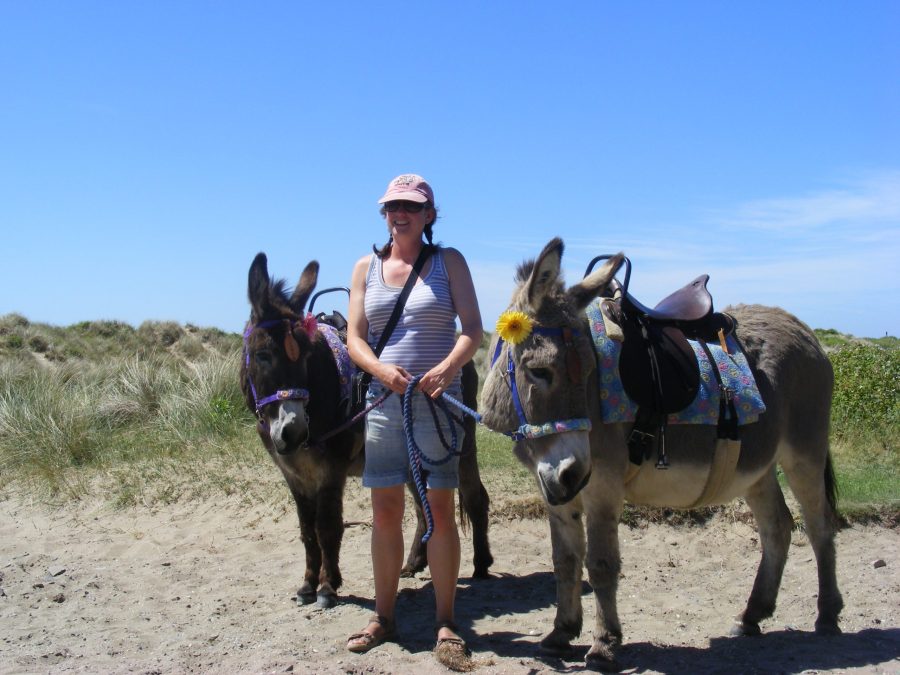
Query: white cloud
x=832 y=257
x=874 y=198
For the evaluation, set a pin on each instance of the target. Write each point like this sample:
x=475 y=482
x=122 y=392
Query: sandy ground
x=207 y=588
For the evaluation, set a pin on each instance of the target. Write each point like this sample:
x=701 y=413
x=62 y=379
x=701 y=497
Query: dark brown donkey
x=291 y=382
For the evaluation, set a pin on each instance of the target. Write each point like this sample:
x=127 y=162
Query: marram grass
x=153 y=415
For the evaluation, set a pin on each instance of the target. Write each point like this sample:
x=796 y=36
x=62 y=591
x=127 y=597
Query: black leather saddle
x=657 y=364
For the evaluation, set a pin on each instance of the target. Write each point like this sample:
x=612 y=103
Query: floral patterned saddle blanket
x=734 y=372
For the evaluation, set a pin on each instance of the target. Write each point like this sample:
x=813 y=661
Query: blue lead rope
x=415 y=452
x=526 y=431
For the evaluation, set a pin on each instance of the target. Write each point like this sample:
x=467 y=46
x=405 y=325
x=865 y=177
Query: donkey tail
x=831 y=487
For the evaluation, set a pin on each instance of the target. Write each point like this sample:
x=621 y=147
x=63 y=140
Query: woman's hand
x=435 y=381
x=394 y=377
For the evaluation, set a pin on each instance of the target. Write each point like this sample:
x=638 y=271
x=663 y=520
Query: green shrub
x=38 y=343
x=14 y=341
x=106 y=329
x=10 y=322
x=155 y=334
x=888 y=342
x=830 y=338
x=867 y=389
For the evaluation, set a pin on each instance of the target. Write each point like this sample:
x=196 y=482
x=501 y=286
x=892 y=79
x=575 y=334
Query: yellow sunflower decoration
x=514 y=326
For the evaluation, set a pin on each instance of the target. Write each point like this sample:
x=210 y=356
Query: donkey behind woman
x=585 y=473
x=291 y=380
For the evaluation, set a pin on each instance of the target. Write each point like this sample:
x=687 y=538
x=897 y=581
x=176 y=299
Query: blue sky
x=149 y=150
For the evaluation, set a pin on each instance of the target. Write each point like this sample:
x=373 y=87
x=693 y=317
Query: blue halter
x=530 y=431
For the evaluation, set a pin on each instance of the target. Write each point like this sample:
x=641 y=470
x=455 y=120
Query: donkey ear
x=305 y=287
x=545 y=273
x=258 y=285
x=589 y=288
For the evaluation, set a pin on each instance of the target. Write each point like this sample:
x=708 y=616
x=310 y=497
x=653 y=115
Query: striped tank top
x=426 y=330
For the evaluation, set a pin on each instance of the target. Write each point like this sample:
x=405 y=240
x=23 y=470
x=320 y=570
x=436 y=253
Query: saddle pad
x=616 y=406
x=341 y=358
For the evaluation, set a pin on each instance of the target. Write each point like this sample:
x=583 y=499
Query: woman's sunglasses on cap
x=409 y=207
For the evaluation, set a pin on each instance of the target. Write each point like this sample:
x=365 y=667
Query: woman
x=423 y=343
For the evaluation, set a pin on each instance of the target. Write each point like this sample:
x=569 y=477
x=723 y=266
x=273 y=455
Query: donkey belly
x=692 y=474
x=681 y=487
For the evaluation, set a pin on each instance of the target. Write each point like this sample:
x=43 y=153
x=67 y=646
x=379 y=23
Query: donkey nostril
x=572 y=478
x=293 y=435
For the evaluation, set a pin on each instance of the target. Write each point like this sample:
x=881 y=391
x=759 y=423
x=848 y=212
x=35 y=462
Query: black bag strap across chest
x=359 y=392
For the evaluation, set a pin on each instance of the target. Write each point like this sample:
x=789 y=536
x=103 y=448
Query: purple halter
x=280 y=395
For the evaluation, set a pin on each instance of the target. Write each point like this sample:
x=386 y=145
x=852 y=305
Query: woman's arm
x=462 y=290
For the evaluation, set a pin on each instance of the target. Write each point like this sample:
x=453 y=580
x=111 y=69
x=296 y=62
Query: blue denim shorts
x=387 y=457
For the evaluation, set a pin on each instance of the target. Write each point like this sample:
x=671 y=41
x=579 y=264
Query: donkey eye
x=263 y=357
x=540 y=375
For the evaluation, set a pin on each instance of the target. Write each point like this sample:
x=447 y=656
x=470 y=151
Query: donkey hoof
x=413 y=566
x=482 y=564
x=602 y=654
x=556 y=644
x=827 y=627
x=601 y=662
x=745 y=629
x=306 y=595
x=326 y=600
x=483 y=571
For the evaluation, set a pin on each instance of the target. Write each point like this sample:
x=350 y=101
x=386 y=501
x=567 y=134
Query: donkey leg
x=475 y=502
x=773 y=519
x=604 y=565
x=330 y=533
x=567 y=541
x=306 y=512
x=473 y=498
x=814 y=487
x=417 y=559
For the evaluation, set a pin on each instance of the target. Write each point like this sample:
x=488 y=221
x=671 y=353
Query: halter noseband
x=573 y=366
x=301 y=395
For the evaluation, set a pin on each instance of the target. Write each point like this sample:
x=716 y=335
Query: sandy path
x=207 y=587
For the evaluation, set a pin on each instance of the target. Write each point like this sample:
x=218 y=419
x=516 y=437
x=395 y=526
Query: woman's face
x=403 y=224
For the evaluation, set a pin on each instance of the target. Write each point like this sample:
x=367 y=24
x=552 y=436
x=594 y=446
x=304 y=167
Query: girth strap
x=721 y=472
x=724 y=463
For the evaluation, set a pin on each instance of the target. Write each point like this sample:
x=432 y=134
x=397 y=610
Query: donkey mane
x=555 y=307
x=278 y=293
x=523 y=271
x=279 y=299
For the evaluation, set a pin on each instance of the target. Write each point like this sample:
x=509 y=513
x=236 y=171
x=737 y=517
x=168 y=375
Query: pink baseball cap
x=409 y=187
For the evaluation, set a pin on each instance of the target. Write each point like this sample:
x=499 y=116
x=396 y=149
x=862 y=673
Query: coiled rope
x=415 y=452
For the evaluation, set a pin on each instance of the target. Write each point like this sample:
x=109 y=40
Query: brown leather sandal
x=364 y=641
x=452 y=652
